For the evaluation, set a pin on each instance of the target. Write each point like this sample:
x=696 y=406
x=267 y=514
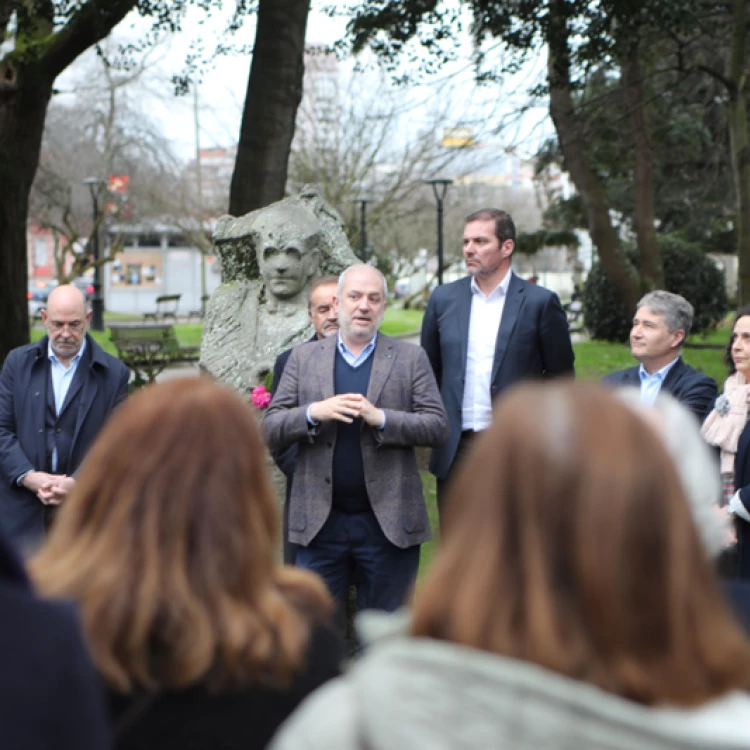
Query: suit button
x=41 y=430
x=37 y=393
x=330 y=445
x=57 y=430
x=328 y=480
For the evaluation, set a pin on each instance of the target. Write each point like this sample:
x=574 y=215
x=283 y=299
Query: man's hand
x=49 y=488
x=36 y=480
x=58 y=490
x=371 y=414
x=344 y=408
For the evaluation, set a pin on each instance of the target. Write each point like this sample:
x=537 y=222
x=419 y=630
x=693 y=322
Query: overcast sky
x=221 y=93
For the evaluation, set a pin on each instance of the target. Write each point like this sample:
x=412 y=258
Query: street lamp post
x=97 y=304
x=362 y=227
x=440 y=187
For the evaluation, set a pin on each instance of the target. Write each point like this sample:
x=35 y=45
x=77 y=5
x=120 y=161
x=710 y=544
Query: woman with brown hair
x=571 y=604
x=168 y=544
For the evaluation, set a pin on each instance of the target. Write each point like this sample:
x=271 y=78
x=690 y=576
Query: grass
x=398 y=321
x=188 y=334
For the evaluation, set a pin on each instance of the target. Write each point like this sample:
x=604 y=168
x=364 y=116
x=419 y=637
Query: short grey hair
x=361 y=267
x=677 y=311
x=697 y=465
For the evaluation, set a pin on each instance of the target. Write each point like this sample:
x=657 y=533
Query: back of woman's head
x=568 y=543
x=168 y=541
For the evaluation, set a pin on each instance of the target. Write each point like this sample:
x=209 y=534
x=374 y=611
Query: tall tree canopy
x=43 y=37
x=634 y=43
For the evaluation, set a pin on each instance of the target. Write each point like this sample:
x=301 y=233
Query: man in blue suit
x=486 y=332
x=54 y=397
x=661 y=324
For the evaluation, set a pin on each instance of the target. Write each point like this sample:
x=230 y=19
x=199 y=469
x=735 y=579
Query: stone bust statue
x=287 y=252
x=268 y=259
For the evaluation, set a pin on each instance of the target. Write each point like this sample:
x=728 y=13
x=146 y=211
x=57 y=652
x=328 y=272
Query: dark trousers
x=346 y=541
x=443 y=485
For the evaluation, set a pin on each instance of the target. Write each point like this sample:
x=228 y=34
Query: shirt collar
x=659 y=374
x=53 y=357
x=344 y=348
x=501 y=289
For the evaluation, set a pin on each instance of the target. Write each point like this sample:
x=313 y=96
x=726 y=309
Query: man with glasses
x=55 y=395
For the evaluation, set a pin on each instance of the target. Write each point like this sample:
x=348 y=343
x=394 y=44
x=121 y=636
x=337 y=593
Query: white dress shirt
x=62 y=377
x=484 y=323
x=651 y=384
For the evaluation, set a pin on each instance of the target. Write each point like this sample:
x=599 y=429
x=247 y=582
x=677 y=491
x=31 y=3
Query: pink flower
x=261 y=397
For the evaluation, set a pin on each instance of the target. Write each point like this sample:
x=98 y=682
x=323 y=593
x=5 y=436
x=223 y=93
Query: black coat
x=99 y=385
x=691 y=388
x=742 y=483
x=244 y=719
x=50 y=696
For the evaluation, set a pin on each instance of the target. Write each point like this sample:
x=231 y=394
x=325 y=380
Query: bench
x=166 y=307
x=149 y=348
x=199 y=313
x=574 y=314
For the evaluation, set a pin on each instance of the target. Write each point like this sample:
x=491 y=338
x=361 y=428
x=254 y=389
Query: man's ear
x=507 y=248
x=679 y=337
x=43 y=313
x=88 y=316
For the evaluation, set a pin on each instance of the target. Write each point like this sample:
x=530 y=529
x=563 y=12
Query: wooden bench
x=149 y=348
x=166 y=307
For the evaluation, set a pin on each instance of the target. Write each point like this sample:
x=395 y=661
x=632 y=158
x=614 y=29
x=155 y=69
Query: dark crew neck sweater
x=349 y=489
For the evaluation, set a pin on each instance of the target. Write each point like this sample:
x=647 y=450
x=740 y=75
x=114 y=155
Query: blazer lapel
x=673 y=376
x=38 y=391
x=327 y=363
x=381 y=367
x=88 y=396
x=511 y=310
x=463 y=315
x=80 y=377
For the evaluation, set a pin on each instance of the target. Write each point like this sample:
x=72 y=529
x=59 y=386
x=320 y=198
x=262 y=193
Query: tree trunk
x=573 y=146
x=23 y=107
x=26 y=82
x=274 y=92
x=652 y=273
x=738 y=137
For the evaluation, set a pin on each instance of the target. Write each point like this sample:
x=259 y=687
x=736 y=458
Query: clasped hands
x=51 y=489
x=345 y=408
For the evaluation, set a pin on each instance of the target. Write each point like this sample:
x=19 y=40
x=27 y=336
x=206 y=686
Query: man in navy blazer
x=54 y=397
x=486 y=332
x=661 y=324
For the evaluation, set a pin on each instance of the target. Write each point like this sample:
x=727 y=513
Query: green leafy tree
x=625 y=39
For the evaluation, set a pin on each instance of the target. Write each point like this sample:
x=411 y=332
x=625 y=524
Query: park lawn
x=188 y=334
x=398 y=321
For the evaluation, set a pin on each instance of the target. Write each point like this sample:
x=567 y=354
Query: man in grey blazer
x=486 y=332
x=357 y=403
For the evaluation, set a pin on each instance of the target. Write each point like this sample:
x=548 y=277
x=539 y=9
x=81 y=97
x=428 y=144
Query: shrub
x=687 y=271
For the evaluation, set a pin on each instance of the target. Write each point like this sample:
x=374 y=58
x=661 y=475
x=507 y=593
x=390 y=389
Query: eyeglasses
x=74 y=327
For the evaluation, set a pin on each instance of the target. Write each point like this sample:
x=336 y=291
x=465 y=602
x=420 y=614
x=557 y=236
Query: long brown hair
x=568 y=543
x=168 y=543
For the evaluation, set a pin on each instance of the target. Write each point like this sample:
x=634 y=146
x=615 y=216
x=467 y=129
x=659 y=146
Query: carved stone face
x=287 y=240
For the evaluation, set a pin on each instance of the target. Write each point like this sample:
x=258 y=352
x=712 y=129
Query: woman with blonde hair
x=571 y=604
x=168 y=544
